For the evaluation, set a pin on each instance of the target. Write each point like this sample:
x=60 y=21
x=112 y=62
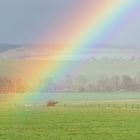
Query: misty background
x=25 y=24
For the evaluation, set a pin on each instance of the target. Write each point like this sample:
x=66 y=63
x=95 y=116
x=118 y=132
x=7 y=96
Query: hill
x=44 y=52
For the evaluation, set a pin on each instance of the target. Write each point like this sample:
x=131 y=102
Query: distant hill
x=33 y=52
x=6 y=47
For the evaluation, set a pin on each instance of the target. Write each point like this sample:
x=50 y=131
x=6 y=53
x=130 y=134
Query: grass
x=78 y=116
x=83 y=122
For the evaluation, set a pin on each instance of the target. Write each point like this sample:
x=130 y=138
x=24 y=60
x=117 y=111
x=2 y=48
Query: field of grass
x=78 y=116
x=93 y=96
x=106 y=121
x=66 y=97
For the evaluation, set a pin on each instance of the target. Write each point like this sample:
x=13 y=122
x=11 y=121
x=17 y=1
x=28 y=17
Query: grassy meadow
x=97 y=116
x=97 y=121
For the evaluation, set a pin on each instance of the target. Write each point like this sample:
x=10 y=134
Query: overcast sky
x=23 y=21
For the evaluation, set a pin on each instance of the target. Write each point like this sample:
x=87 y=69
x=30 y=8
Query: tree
x=68 y=83
x=81 y=83
x=115 y=83
x=128 y=83
x=103 y=84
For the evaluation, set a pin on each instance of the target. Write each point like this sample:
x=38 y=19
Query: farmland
x=100 y=116
x=101 y=122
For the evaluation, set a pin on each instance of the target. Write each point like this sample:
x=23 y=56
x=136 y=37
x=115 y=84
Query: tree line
x=104 y=84
x=68 y=83
x=12 y=85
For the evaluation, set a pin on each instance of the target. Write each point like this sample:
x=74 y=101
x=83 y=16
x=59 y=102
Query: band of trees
x=74 y=84
x=10 y=85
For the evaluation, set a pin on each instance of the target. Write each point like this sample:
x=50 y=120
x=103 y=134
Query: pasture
x=77 y=116
x=96 y=120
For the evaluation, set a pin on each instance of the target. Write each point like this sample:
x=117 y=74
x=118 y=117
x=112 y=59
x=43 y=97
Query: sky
x=30 y=21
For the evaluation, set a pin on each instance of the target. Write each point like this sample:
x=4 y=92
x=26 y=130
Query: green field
x=72 y=97
x=94 y=96
x=106 y=121
x=77 y=116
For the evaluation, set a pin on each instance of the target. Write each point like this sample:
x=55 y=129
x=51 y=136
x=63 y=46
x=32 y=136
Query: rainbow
x=94 y=23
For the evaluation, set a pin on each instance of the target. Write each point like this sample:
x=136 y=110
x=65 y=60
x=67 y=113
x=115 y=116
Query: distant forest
x=79 y=83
